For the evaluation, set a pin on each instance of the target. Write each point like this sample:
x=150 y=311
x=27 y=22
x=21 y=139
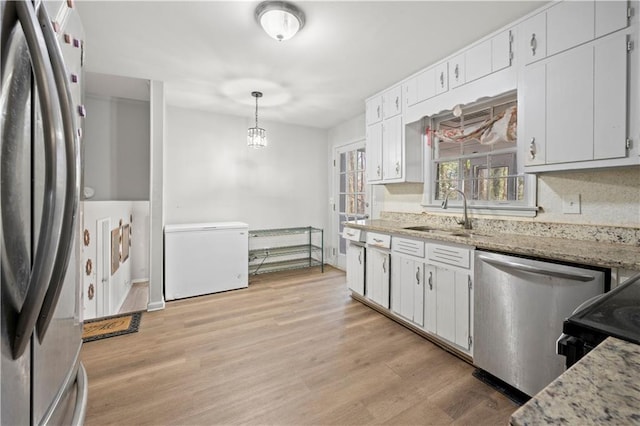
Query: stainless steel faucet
x=465 y=222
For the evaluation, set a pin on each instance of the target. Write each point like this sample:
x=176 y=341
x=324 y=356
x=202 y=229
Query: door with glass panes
x=351 y=199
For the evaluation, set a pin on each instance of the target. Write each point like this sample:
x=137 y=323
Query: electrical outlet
x=571 y=204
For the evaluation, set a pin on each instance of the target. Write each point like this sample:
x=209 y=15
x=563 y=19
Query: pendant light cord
x=256 y=111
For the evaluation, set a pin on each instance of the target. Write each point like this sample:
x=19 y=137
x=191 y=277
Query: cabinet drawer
x=407 y=246
x=450 y=255
x=352 y=234
x=379 y=240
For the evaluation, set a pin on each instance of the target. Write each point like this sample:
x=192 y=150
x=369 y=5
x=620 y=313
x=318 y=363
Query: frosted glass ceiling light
x=280 y=19
x=256 y=136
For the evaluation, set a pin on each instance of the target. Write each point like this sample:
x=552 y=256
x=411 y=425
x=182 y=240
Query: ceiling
x=212 y=54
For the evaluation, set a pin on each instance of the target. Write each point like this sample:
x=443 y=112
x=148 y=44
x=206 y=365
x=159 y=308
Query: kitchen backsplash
x=608 y=234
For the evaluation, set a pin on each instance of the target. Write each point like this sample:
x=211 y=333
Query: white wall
x=116 y=148
x=132 y=269
x=210 y=174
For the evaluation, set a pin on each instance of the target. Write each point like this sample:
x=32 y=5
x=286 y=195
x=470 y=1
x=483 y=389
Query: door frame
x=339 y=260
x=103 y=262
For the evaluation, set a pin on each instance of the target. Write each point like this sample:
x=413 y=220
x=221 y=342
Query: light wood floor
x=137 y=299
x=293 y=348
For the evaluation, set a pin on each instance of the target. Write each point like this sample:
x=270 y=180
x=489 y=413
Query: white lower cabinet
x=377 y=278
x=453 y=288
x=355 y=268
x=407 y=287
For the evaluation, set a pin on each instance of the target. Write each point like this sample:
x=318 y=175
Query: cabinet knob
x=430 y=280
x=360 y=257
x=384 y=265
x=534 y=44
x=532 y=149
x=418 y=276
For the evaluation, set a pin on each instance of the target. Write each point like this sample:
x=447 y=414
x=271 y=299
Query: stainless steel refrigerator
x=42 y=52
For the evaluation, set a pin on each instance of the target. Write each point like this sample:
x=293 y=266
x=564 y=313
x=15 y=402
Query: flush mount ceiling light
x=256 y=136
x=280 y=19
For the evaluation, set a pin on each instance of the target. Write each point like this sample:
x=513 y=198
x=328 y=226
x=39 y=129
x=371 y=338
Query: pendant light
x=280 y=19
x=256 y=136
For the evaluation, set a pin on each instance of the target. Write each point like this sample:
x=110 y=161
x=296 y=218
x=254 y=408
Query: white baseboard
x=156 y=306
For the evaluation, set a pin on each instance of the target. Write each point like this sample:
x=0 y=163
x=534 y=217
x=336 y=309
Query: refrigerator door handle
x=47 y=243
x=80 y=411
x=72 y=172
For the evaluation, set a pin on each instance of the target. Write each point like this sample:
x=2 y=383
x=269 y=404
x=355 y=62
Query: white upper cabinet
x=392 y=102
x=611 y=16
x=442 y=78
x=574 y=106
x=374 y=153
x=392 y=148
x=569 y=23
x=501 y=51
x=373 y=110
x=421 y=87
x=534 y=36
x=457 y=67
x=479 y=60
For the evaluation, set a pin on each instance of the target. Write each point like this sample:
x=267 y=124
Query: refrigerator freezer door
x=16 y=235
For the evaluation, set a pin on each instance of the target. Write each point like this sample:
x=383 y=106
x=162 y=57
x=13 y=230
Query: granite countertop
x=593 y=253
x=602 y=388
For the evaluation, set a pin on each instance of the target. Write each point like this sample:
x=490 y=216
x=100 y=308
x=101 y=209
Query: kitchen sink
x=450 y=232
x=421 y=228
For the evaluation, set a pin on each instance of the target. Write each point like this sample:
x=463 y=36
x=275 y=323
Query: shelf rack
x=273 y=250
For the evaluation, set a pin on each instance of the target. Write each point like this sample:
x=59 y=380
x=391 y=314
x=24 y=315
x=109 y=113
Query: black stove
x=615 y=314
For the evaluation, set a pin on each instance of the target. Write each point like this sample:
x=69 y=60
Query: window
x=476 y=152
x=352 y=197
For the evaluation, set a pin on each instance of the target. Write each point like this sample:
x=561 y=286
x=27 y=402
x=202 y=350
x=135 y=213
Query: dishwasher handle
x=535 y=270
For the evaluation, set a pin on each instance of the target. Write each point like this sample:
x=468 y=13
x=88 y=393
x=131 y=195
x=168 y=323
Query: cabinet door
x=392 y=102
x=457 y=67
x=442 y=78
x=392 y=148
x=478 y=61
x=570 y=106
x=534 y=38
x=532 y=112
x=426 y=82
x=610 y=84
x=501 y=46
x=569 y=23
x=411 y=91
x=377 y=279
x=430 y=299
x=407 y=267
x=462 y=305
x=374 y=153
x=445 y=304
x=355 y=268
x=373 y=111
x=610 y=16
x=418 y=293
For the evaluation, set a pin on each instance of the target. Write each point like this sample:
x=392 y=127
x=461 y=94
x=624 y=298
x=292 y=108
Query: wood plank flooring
x=293 y=349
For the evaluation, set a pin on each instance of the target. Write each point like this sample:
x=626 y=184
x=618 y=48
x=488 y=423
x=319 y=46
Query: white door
x=103 y=267
x=350 y=195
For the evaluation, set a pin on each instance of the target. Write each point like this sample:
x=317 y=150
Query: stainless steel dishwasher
x=520 y=305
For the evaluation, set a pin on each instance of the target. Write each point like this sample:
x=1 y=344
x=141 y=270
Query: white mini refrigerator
x=205 y=258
